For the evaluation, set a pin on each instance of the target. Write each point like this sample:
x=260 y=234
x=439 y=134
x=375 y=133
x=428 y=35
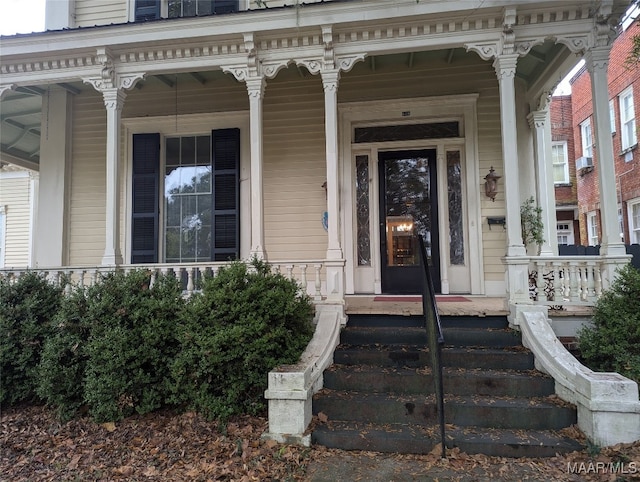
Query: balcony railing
x=309 y=274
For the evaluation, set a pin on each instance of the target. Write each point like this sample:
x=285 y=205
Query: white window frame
x=565 y=230
x=565 y=158
x=612 y=116
x=633 y=216
x=587 y=138
x=3 y=231
x=627 y=120
x=592 y=228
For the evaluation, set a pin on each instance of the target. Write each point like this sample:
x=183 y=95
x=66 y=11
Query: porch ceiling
x=22 y=117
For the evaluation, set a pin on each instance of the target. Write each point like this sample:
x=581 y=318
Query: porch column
x=113 y=101
x=51 y=223
x=505 y=66
x=112 y=86
x=255 y=88
x=517 y=273
x=597 y=61
x=335 y=271
x=540 y=122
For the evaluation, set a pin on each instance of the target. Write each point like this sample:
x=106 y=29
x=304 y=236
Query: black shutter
x=225 y=194
x=147 y=10
x=146 y=176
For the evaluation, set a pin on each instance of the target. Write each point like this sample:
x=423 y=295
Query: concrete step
x=413 y=439
x=493 y=322
x=515 y=358
x=405 y=335
x=457 y=381
x=477 y=411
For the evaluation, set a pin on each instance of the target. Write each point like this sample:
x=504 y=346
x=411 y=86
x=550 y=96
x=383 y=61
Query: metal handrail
x=435 y=339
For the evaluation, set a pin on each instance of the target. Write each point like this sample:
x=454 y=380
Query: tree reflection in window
x=454 y=190
x=188 y=202
x=408 y=193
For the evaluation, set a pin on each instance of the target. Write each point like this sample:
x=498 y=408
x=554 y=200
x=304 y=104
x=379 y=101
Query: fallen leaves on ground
x=34 y=446
x=166 y=446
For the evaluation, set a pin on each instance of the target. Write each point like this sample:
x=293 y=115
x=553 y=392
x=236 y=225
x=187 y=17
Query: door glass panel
x=407 y=209
x=362 y=210
x=454 y=194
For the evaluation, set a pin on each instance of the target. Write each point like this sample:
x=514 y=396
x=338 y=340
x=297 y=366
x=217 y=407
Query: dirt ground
x=165 y=446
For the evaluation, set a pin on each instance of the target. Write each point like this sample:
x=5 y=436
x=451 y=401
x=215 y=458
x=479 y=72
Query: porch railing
x=309 y=274
x=560 y=281
x=573 y=280
x=435 y=340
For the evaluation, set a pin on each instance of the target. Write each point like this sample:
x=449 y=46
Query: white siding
x=100 y=12
x=295 y=168
x=88 y=194
x=15 y=196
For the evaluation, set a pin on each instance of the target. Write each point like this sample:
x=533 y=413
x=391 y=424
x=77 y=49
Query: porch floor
x=448 y=305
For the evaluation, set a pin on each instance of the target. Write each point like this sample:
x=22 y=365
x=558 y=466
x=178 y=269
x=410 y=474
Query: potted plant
x=531 y=222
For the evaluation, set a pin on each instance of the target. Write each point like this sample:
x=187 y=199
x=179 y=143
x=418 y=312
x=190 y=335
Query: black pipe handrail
x=435 y=339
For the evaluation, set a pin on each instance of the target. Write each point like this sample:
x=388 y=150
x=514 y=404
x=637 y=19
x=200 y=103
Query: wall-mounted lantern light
x=491 y=184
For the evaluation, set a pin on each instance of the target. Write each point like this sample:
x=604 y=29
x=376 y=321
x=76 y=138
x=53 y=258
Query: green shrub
x=26 y=308
x=131 y=343
x=63 y=363
x=613 y=342
x=246 y=321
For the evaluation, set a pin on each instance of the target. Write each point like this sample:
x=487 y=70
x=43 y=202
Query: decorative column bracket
x=6 y=88
x=109 y=78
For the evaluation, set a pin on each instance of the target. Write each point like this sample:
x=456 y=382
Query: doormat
x=417 y=299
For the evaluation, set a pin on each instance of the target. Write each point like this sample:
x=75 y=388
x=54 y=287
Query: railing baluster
x=598 y=279
x=318 y=282
x=289 y=269
x=303 y=278
x=190 y=285
x=540 y=281
x=557 y=282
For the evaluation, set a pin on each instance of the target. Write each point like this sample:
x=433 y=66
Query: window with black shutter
x=145 y=202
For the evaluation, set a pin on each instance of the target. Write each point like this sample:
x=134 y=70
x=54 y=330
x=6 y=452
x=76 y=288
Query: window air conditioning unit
x=584 y=163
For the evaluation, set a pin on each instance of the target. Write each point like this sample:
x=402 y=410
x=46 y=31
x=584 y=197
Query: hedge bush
x=131 y=343
x=60 y=379
x=246 y=321
x=26 y=308
x=612 y=343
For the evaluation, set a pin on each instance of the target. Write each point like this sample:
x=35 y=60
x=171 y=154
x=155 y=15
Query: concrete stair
x=378 y=394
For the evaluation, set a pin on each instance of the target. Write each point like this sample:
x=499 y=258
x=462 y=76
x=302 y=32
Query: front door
x=408 y=208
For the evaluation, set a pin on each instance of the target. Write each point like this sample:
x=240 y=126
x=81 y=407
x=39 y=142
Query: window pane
x=188 y=150
x=362 y=210
x=188 y=8
x=173 y=151
x=635 y=223
x=454 y=192
x=188 y=200
x=204 y=7
x=436 y=130
x=175 y=8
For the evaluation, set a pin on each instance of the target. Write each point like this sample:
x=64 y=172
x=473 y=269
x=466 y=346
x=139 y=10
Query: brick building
x=564 y=170
x=624 y=103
